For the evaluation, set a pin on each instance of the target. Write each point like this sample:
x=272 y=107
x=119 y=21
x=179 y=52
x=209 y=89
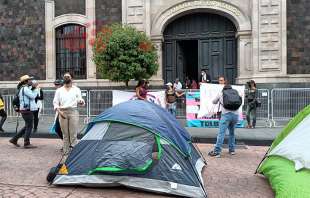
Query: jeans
x=172 y=108
x=228 y=120
x=251 y=113
x=27 y=129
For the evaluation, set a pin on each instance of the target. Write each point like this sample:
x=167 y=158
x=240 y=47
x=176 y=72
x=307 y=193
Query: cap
x=169 y=84
x=58 y=82
x=25 y=77
x=34 y=82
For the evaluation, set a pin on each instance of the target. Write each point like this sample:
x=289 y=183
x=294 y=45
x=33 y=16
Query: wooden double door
x=198 y=42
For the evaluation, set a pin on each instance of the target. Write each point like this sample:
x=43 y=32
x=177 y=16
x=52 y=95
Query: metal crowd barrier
x=99 y=100
x=279 y=106
x=263 y=112
x=287 y=102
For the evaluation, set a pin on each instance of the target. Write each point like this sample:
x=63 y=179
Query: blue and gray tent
x=139 y=145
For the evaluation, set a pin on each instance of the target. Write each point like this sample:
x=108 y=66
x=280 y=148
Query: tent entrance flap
x=133 y=150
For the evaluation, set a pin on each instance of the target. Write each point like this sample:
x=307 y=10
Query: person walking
x=27 y=96
x=38 y=100
x=251 y=98
x=66 y=100
x=2 y=113
x=229 y=118
x=141 y=91
x=171 y=98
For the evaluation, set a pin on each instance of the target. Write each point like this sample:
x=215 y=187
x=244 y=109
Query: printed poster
x=201 y=112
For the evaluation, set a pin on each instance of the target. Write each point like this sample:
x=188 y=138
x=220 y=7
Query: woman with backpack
x=27 y=105
x=251 y=98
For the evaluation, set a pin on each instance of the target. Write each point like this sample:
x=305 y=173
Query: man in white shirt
x=177 y=85
x=66 y=100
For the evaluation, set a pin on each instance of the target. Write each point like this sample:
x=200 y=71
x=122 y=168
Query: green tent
x=287 y=162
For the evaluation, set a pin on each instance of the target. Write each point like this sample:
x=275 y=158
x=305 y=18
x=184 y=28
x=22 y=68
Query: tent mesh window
x=125 y=149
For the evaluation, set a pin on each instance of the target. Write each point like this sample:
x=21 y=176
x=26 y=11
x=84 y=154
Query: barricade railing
x=287 y=102
x=48 y=107
x=263 y=112
x=8 y=106
x=99 y=100
x=280 y=105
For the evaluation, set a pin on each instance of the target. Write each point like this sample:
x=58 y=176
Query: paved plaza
x=23 y=174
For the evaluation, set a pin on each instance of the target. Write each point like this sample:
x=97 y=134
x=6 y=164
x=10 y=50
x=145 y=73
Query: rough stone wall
x=298 y=37
x=69 y=6
x=22 y=39
x=107 y=12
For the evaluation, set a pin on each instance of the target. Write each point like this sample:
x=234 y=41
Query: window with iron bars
x=71 y=51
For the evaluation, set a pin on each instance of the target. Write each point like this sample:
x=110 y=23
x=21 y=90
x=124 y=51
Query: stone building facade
x=264 y=40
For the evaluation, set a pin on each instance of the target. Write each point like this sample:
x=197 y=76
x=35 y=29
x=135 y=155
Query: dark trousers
x=27 y=129
x=3 y=117
x=251 y=113
x=35 y=119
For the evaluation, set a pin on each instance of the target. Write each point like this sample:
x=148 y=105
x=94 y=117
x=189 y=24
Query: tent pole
x=265 y=156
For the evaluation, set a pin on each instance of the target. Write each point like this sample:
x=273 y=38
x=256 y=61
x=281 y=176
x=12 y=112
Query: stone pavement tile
x=23 y=174
x=233 y=176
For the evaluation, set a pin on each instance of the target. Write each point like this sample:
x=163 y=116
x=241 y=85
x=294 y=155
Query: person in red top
x=194 y=85
x=141 y=91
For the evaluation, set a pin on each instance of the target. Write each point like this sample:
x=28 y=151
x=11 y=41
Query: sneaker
x=14 y=142
x=214 y=154
x=34 y=130
x=232 y=152
x=29 y=146
x=1 y=130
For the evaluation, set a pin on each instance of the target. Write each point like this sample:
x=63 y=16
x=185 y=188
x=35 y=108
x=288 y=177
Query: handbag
x=258 y=103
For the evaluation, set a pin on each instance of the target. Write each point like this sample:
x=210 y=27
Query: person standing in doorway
x=38 y=100
x=27 y=96
x=205 y=77
x=171 y=98
x=229 y=119
x=251 y=98
x=2 y=113
x=66 y=100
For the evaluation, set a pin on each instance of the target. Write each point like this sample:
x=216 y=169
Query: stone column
x=91 y=20
x=49 y=40
x=244 y=59
x=158 y=42
x=269 y=38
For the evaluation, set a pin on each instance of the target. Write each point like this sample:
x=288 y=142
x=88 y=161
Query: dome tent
x=139 y=145
x=287 y=162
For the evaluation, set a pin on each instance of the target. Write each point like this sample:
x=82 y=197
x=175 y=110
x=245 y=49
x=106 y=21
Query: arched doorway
x=200 y=41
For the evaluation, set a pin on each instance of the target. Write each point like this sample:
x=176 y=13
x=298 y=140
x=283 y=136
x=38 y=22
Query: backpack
x=231 y=99
x=16 y=101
